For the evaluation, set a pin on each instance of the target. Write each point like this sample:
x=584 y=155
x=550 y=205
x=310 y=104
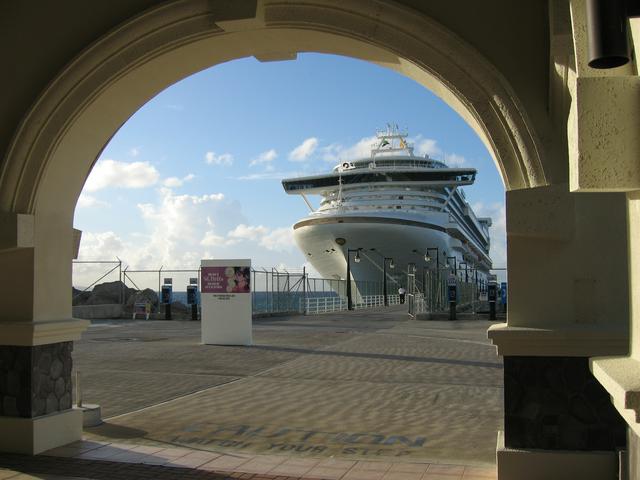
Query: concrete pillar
x=36 y=334
x=567 y=260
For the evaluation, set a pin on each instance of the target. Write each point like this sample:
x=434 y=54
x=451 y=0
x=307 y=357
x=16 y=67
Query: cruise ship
x=392 y=209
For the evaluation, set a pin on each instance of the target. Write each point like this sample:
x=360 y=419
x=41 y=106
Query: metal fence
x=272 y=290
x=427 y=290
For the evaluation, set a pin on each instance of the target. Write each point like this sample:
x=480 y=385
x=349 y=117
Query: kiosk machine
x=492 y=294
x=452 y=295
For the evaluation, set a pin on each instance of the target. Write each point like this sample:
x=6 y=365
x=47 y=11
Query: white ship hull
x=403 y=239
x=392 y=205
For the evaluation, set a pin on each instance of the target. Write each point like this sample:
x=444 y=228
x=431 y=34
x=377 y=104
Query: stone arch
x=60 y=138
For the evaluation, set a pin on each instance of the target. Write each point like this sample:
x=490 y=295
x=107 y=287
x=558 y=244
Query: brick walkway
x=103 y=461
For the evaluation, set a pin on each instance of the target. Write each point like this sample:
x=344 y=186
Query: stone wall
x=555 y=403
x=35 y=381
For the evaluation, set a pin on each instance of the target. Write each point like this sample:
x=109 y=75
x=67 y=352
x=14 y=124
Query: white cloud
x=426 y=146
x=224 y=159
x=247 y=232
x=303 y=151
x=173 y=182
x=212 y=240
x=268 y=175
x=279 y=239
x=177 y=231
x=336 y=153
x=265 y=158
x=100 y=246
x=134 y=152
x=88 y=201
x=497 y=231
x=454 y=160
x=112 y=173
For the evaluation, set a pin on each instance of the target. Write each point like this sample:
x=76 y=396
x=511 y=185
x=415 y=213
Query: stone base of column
x=522 y=464
x=36 y=435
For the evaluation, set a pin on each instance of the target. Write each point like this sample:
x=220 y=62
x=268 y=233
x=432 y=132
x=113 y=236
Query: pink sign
x=226 y=279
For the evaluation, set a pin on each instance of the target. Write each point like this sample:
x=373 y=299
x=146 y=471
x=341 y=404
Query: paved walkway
x=98 y=460
x=359 y=395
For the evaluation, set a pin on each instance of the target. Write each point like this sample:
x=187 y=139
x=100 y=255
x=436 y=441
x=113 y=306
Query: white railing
x=324 y=304
x=317 y=305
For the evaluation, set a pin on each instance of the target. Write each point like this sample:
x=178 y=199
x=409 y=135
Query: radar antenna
x=391 y=140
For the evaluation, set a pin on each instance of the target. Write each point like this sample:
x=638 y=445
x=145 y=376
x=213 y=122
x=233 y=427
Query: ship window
x=398 y=207
x=400 y=197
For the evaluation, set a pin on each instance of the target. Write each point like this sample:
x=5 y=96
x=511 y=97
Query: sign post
x=225 y=302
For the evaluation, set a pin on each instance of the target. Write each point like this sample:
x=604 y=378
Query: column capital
x=563 y=341
x=41 y=333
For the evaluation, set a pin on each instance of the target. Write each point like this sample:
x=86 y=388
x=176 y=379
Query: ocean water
x=265 y=302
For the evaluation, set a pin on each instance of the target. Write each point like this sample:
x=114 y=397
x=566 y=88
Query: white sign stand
x=225 y=293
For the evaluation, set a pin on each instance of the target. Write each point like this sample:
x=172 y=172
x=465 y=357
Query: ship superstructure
x=392 y=204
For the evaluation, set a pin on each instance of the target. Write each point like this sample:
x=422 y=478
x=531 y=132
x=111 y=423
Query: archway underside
x=59 y=140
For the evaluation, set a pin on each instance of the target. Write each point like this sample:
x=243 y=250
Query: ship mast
x=391 y=140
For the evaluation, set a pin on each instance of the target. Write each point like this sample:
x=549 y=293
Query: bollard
x=452 y=310
x=194 y=312
x=167 y=311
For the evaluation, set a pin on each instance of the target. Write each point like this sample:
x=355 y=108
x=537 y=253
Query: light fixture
x=391 y=265
x=607 y=32
x=357 y=257
x=427 y=258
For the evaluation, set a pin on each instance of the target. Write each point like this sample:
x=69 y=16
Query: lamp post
x=455 y=265
x=384 y=278
x=357 y=260
x=427 y=257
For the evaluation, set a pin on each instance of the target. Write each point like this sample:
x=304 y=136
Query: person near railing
x=402 y=292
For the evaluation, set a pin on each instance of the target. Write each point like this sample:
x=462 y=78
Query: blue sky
x=196 y=171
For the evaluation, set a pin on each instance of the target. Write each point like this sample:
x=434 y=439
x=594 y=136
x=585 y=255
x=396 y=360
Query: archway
x=59 y=138
x=53 y=151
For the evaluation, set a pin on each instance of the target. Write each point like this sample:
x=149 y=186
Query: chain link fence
x=273 y=291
